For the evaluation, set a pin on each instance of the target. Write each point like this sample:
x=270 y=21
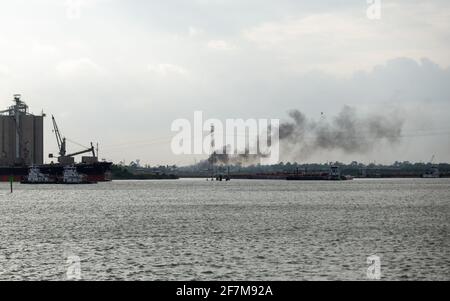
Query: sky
x=120 y=72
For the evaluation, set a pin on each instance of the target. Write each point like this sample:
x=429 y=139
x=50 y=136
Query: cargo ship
x=22 y=152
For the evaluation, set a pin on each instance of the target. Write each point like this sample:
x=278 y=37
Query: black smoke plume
x=346 y=132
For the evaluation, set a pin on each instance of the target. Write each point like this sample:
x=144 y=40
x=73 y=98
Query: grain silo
x=21 y=136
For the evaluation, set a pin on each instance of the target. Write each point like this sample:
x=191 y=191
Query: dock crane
x=60 y=140
x=432 y=172
x=65 y=158
x=432 y=159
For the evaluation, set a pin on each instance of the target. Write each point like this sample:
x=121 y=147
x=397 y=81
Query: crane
x=432 y=159
x=91 y=149
x=62 y=144
x=60 y=140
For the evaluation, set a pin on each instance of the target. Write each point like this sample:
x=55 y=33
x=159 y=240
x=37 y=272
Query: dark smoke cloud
x=225 y=158
x=301 y=137
x=346 y=132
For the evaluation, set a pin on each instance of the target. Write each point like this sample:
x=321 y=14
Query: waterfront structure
x=21 y=135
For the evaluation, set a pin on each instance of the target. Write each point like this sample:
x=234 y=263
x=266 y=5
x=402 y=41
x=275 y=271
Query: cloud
x=167 y=70
x=322 y=26
x=4 y=70
x=220 y=45
x=405 y=80
x=39 y=48
x=401 y=81
x=194 y=31
x=343 y=41
x=78 y=67
x=312 y=55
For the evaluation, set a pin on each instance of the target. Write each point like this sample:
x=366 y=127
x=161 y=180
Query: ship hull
x=95 y=172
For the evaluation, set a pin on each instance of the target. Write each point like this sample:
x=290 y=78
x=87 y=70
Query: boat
x=22 y=150
x=98 y=172
x=35 y=176
x=432 y=173
x=69 y=175
x=72 y=176
x=306 y=177
x=333 y=175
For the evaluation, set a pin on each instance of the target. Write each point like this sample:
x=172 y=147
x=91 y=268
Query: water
x=239 y=230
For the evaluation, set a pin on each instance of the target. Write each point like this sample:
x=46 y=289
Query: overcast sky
x=120 y=72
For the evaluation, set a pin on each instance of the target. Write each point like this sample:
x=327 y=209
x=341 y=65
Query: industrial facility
x=22 y=136
x=22 y=152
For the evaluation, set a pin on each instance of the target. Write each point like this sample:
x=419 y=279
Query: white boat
x=35 y=176
x=71 y=176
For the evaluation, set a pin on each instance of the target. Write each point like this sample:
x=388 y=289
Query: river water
x=238 y=230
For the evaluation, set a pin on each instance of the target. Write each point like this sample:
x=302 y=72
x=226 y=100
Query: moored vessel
x=333 y=175
x=72 y=176
x=432 y=173
x=22 y=151
x=35 y=176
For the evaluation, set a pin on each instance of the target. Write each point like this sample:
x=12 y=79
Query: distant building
x=21 y=135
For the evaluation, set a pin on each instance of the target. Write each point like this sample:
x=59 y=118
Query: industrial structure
x=67 y=159
x=22 y=152
x=21 y=136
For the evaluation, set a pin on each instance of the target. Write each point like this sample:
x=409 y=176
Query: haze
x=120 y=72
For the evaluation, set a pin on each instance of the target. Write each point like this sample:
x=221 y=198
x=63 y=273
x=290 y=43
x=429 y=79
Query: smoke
x=225 y=158
x=346 y=132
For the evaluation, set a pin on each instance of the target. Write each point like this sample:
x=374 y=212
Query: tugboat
x=35 y=176
x=71 y=176
x=433 y=173
x=335 y=174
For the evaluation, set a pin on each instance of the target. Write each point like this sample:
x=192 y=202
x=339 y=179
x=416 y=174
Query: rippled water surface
x=241 y=230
